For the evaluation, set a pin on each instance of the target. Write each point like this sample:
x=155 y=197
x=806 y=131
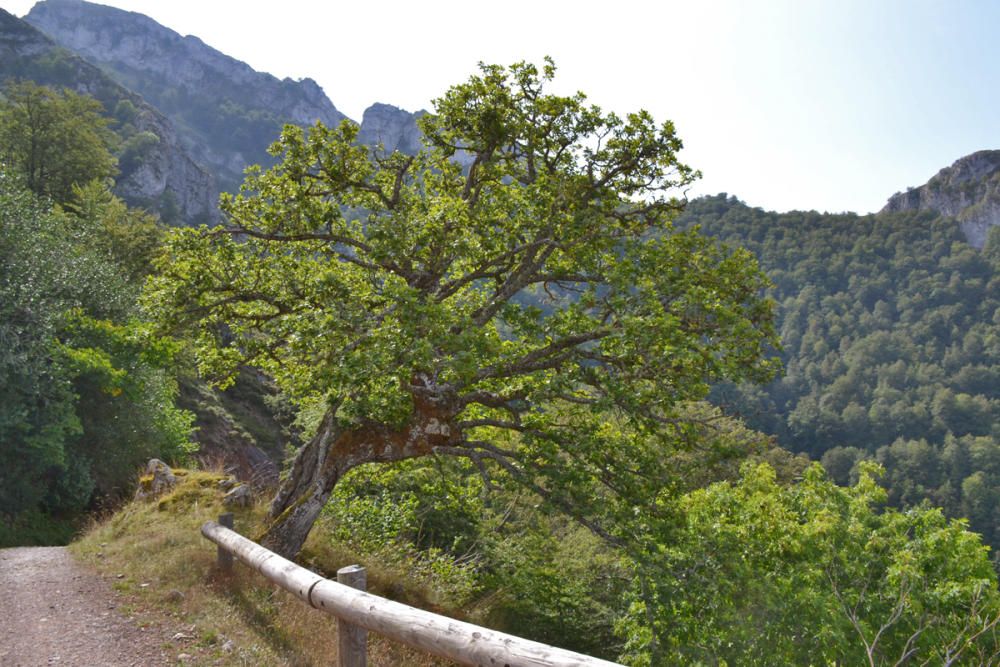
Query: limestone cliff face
x=168 y=179
x=229 y=112
x=163 y=176
x=968 y=190
x=396 y=129
x=221 y=111
x=393 y=128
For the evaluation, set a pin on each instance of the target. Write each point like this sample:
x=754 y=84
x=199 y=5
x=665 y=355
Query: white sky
x=830 y=105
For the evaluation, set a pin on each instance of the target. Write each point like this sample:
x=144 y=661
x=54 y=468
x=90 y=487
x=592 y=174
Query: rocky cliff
x=390 y=127
x=968 y=190
x=229 y=113
x=160 y=176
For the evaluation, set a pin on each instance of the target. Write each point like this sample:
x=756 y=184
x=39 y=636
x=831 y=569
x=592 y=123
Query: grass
x=34 y=528
x=165 y=574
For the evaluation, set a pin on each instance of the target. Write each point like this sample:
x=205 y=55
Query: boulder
x=157 y=480
x=228 y=483
x=240 y=496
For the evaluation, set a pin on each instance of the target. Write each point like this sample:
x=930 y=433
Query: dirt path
x=53 y=611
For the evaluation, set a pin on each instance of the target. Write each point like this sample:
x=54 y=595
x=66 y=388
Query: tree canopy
x=891 y=349
x=84 y=398
x=55 y=139
x=518 y=299
x=759 y=573
x=498 y=296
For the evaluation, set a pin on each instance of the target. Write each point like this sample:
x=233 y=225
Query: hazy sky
x=808 y=104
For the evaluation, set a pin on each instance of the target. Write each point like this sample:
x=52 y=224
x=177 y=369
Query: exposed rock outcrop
x=238 y=496
x=164 y=176
x=230 y=112
x=159 y=479
x=396 y=129
x=392 y=127
x=243 y=429
x=968 y=190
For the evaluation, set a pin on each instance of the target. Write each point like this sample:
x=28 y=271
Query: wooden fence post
x=353 y=639
x=463 y=643
x=224 y=558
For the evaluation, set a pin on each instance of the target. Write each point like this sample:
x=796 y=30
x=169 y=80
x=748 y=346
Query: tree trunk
x=335 y=450
x=289 y=531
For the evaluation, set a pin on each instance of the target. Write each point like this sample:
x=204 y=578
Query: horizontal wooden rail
x=439 y=635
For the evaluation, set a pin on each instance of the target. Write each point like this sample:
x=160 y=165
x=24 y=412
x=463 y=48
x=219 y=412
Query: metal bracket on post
x=225 y=559
x=353 y=640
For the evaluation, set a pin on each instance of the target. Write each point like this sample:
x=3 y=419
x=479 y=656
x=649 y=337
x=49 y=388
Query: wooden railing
x=359 y=611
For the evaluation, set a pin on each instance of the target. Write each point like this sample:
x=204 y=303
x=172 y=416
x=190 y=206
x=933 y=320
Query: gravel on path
x=53 y=611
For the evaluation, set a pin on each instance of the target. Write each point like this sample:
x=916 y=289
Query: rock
x=164 y=66
x=166 y=173
x=393 y=128
x=397 y=130
x=159 y=478
x=228 y=483
x=241 y=496
x=968 y=190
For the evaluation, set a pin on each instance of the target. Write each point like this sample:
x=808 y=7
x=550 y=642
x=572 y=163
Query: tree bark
x=334 y=451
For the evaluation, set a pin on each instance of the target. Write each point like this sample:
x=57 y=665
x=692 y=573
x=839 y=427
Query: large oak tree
x=501 y=296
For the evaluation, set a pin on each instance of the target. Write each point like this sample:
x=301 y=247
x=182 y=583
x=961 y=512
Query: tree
x=764 y=574
x=84 y=394
x=37 y=400
x=55 y=139
x=129 y=237
x=503 y=295
x=895 y=340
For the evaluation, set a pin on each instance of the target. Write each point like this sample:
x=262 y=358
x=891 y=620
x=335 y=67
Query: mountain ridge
x=968 y=190
x=228 y=113
x=165 y=176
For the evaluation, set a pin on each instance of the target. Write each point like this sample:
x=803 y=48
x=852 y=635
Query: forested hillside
x=88 y=392
x=152 y=169
x=499 y=350
x=889 y=325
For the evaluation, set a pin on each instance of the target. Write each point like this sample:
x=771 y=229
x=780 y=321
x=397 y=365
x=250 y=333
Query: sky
x=827 y=105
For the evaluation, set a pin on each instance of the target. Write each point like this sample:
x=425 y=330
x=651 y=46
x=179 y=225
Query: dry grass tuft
x=165 y=571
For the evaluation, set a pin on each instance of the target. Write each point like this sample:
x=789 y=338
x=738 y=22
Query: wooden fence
x=358 y=612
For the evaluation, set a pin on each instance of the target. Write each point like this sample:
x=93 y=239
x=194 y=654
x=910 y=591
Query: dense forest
x=890 y=346
x=87 y=390
x=622 y=515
